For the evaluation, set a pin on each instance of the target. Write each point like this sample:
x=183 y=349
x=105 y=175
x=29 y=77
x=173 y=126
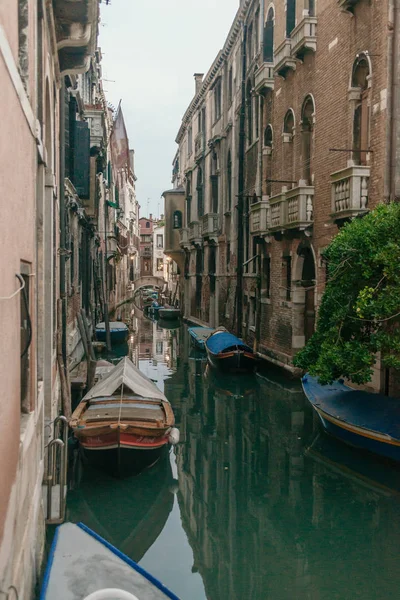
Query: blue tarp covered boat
x=81 y=563
x=365 y=420
x=226 y=351
x=118 y=332
x=199 y=335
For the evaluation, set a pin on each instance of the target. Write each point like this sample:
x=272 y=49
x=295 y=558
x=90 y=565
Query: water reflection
x=266 y=508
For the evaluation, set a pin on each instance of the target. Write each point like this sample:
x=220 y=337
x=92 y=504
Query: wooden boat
x=199 y=335
x=361 y=419
x=129 y=513
x=118 y=332
x=229 y=353
x=124 y=421
x=82 y=563
x=169 y=314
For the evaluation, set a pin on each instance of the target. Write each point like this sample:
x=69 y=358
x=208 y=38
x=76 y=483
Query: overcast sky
x=151 y=49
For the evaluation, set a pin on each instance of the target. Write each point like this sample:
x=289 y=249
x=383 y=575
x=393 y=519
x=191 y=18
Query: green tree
x=360 y=308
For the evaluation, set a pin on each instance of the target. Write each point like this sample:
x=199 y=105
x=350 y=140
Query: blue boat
x=229 y=353
x=82 y=566
x=199 y=335
x=118 y=332
x=361 y=419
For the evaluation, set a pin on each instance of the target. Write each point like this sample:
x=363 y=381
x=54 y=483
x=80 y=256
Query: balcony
x=350 y=192
x=264 y=77
x=195 y=233
x=184 y=238
x=304 y=37
x=347 y=5
x=284 y=61
x=292 y=209
x=210 y=223
x=199 y=145
x=260 y=218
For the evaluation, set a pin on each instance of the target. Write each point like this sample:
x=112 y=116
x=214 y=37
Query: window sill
x=253 y=143
x=216 y=120
x=265 y=301
x=252 y=328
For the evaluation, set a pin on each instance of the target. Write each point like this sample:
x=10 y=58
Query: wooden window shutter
x=82 y=159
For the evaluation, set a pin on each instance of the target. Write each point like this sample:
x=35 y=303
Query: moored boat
x=169 y=314
x=118 y=332
x=124 y=422
x=229 y=353
x=362 y=419
x=81 y=563
x=199 y=335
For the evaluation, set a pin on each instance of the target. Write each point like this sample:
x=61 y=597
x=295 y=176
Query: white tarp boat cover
x=133 y=380
x=81 y=563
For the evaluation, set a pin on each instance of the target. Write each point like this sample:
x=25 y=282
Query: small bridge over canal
x=148 y=280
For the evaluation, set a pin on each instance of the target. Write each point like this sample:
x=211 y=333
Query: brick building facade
x=292 y=132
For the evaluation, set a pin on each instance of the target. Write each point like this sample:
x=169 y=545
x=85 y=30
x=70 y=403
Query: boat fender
x=173 y=437
x=111 y=594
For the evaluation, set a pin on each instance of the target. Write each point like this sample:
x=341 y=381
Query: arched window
x=200 y=195
x=230 y=86
x=268 y=137
x=268 y=142
x=214 y=182
x=147 y=225
x=189 y=199
x=311 y=8
x=360 y=81
x=290 y=16
x=249 y=102
x=229 y=179
x=307 y=126
x=177 y=219
x=269 y=37
x=288 y=126
x=288 y=132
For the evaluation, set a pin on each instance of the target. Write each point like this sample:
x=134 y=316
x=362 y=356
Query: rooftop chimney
x=151 y=217
x=198 y=77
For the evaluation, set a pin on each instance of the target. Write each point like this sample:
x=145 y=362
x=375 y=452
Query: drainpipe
x=62 y=226
x=395 y=92
x=242 y=141
x=388 y=179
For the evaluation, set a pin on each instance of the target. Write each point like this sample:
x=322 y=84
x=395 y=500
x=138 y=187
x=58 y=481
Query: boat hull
x=122 y=455
x=117 y=337
x=235 y=361
x=358 y=438
x=169 y=314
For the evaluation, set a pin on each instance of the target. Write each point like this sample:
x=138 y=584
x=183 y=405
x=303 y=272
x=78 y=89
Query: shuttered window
x=82 y=159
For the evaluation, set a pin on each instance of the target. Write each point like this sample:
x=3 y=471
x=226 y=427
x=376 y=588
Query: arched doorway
x=303 y=295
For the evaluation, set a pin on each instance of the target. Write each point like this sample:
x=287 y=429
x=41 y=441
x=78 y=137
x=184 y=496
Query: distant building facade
x=291 y=133
x=146 y=245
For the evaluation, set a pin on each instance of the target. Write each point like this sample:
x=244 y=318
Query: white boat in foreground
x=83 y=566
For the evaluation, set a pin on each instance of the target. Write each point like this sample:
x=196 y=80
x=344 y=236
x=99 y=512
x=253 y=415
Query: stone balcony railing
x=210 y=225
x=292 y=209
x=284 y=61
x=264 y=77
x=350 y=192
x=260 y=214
x=195 y=232
x=304 y=37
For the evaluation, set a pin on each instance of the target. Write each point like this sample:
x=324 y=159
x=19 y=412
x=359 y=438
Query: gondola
x=124 y=422
x=118 y=332
x=227 y=352
x=361 y=419
x=199 y=335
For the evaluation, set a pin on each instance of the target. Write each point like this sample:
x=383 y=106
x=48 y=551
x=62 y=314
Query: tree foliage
x=360 y=308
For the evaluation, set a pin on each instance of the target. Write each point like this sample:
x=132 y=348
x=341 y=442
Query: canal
x=254 y=502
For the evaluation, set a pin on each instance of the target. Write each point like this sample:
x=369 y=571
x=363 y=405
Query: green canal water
x=255 y=502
